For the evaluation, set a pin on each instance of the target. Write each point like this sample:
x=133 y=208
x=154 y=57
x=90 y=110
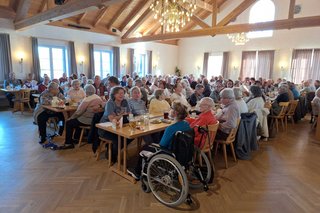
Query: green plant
x=178 y=71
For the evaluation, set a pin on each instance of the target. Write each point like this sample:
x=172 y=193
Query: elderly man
x=42 y=115
x=229 y=114
x=197 y=95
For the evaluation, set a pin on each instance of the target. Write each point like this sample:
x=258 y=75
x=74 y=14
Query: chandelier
x=238 y=38
x=173 y=14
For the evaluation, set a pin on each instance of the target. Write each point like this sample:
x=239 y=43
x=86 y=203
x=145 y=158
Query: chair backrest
x=212 y=131
x=284 y=106
x=233 y=133
x=25 y=95
x=313 y=107
x=183 y=146
x=292 y=107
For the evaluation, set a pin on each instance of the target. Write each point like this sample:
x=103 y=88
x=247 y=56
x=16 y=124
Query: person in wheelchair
x=179 y=113
x=206 y=117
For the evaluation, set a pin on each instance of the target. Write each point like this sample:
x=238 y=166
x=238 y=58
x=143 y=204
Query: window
x=215 y=64
x=257 y=64
x=140 y=64
x=53 y=61
x=305 y=65
x=262 y=11
x=103 y=62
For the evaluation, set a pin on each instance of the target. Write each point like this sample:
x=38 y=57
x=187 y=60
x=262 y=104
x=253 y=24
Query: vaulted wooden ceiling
x=129 y=19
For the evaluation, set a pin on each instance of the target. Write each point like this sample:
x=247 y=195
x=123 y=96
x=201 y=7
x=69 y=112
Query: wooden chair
x=54 y=121
x=83 y=129
x=291 y=110
x=229 y=141
x=22 y=97
x=209 y=141
x=281 y=116
x=103 y=143
x=315 y=119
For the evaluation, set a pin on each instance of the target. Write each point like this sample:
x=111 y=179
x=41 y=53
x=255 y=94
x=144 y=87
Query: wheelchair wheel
x=167 y=180
x=198 y=169
x=145 y=185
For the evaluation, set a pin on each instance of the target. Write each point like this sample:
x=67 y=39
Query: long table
x=126 y=133
x=67 y=111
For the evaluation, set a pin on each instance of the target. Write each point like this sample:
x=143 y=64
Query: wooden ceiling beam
x=42 y=6
x=291 y=8
x=140 y=20
x=13 y=4
x=118 y=13
x=102 y=13
x=199 y=21
x=132 y=14
x=236 y=12
x=83 y=15
x=64 y=23
x=71 y=8
x=204 y=5
x=214 y=13
x=7 y=13
x=312 y=21
x=22 y=9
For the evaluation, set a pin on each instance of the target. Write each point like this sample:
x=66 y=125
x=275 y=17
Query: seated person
x=179 y=112
x=256 y=100
x=42 y=115
x=316 y=103
x=282 y=97
x=137 y=106
x=229 y=115
x=43 y=86
x=197 y=95
x=205 y=118
x=177 y=96
x=83 y=116
x=158 y=105
x=113 y=112
x=243 y=108
x=76 y=93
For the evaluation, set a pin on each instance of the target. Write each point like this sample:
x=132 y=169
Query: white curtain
x=248 y=64
x=265 y=64
x=300 y=65
x=315 y=71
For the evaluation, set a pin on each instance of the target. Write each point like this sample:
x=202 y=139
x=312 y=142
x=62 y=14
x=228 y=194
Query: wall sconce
x=20 y=56
x=21 y=61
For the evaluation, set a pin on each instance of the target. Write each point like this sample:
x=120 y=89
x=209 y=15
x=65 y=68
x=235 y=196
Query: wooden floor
x=283 y=176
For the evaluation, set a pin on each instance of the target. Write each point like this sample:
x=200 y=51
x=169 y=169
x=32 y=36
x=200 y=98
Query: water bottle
x=146 y=120
x=4 y=84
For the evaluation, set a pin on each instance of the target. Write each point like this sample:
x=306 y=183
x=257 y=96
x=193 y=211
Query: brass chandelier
x=173 y=14
x=238 y=38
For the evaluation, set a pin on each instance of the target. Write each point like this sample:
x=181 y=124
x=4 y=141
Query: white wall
x=191 y=50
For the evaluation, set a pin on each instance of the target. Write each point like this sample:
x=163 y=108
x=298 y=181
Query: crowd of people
x=113 y=98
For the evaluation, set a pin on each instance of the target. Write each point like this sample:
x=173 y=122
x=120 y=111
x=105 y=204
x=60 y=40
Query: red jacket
x=204 y=119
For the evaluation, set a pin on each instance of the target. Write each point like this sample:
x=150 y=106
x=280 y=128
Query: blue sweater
x=171 y=130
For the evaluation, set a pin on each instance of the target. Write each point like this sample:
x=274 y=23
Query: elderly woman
x=136 y=105
x=197 y=95
x=243 y=108
x=155 y=85
x=229 y=116
x=158 y=104
x=76 y=93
x=84 y=81
x=42 y=115
x=187 y=90
x=256 y=101
x=83 y=116
x=205 y=118
x=179 y=112
x=166 y=92
x=129 y=84
x=177 y=96
x=114 y=112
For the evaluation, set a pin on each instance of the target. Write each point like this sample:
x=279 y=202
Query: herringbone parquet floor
x=283 y=176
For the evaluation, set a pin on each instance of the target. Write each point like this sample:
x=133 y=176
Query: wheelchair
x=169 y=174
